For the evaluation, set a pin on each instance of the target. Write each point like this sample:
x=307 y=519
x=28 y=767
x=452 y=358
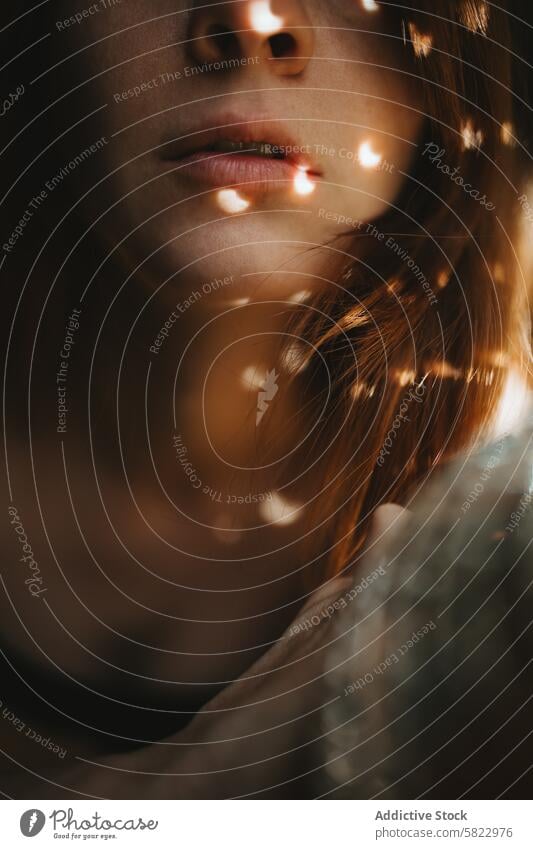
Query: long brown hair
x=420 y=335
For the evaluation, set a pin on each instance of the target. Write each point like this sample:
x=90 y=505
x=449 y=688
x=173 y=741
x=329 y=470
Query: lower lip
x=256 y=174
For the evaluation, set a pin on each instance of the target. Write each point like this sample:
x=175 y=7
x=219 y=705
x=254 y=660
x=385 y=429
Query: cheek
x=373 y=120
x=372 y=167
x=369 y=160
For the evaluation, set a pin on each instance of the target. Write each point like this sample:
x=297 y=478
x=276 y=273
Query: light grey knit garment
x=432 y=670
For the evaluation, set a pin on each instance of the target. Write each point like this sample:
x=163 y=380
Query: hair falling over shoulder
x=430 y=319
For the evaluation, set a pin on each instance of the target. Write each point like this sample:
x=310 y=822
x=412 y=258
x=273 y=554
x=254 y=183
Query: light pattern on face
x=303 y=184
x=232 y=202
x=262 y=19
x=367 y=156
x=338 y=97
x=253 y=378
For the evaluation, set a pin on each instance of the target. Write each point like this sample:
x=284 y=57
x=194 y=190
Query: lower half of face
x=219 y=161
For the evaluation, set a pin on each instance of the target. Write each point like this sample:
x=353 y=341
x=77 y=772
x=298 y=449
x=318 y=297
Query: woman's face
x=234 y=128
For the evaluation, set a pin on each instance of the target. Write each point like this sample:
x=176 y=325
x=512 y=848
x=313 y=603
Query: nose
x=275 y=32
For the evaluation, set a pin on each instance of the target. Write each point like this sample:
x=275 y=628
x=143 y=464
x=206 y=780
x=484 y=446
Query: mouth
x=263 y=149
x=259 y=157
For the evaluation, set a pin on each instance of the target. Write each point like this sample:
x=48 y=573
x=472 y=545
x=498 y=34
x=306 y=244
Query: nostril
x=282 y=45
x=226 y=29
x=224 y=40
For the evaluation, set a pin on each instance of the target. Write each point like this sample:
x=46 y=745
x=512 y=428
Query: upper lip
x=238 y=128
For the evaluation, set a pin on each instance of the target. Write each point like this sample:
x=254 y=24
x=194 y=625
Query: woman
x=263 y=277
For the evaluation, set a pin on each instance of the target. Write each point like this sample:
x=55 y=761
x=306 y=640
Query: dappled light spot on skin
x=303 y=185
x=232 y=202
x=280 y=511
x=262 y=19
x=253 y=378
x=222 y=530
x=367 y=156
